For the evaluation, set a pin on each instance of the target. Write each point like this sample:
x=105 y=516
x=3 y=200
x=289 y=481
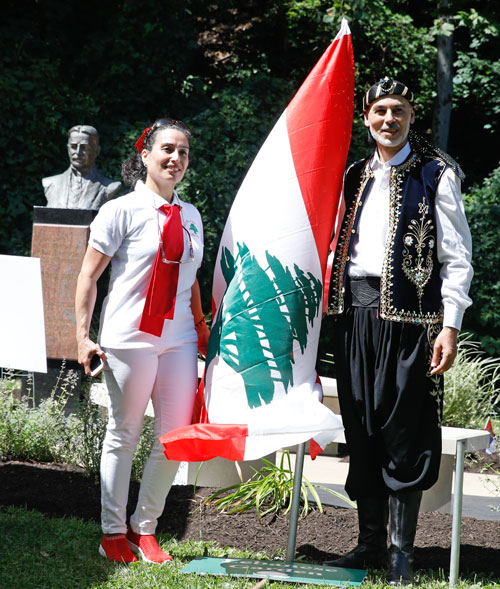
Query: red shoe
x=115 y=547
x=147 y=548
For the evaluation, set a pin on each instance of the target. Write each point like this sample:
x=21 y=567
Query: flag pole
x=294 y=512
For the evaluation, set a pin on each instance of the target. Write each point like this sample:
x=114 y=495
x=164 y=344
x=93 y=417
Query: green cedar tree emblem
x=263 y=311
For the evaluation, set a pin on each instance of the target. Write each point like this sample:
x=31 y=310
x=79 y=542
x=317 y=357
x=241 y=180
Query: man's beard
x=390 y=142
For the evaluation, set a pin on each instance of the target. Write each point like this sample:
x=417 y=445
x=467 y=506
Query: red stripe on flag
x=319 y=122
x=200 y=413
x=198 y=442
x=314 y=449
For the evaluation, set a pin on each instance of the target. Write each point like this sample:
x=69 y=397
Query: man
x=81 y=186
x=399 y=285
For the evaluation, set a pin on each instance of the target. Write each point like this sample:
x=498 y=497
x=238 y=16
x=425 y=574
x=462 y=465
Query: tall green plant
x=269 y=490
x=93 y=428
x=472 y=387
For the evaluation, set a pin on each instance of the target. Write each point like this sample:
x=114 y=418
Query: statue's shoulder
x=57 y=178
x=111 y=186
x=102 y=179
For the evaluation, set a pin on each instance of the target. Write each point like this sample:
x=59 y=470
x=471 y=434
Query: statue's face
x=82 y=151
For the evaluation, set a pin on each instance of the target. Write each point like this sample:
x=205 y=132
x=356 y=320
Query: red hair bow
x=140 y=141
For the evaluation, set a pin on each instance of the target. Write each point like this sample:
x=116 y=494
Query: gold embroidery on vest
x=418 y=267
x=436 y=380
x=387 y=309
x=342 y=250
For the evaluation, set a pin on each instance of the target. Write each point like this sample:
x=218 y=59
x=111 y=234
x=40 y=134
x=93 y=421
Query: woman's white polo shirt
x=126 y=229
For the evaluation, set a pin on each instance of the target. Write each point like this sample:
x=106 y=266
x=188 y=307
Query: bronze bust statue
x=81 y=186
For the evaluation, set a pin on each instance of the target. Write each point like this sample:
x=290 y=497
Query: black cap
x=385 y=87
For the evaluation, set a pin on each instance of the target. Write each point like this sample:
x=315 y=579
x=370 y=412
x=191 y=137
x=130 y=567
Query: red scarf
x=162 y=290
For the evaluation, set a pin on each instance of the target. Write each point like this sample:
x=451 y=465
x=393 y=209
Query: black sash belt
x=364 y=290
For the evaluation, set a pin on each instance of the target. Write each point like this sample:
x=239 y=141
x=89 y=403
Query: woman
x=151 y=325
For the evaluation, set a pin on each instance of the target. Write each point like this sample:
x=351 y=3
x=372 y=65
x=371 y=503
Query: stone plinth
x=60 y=239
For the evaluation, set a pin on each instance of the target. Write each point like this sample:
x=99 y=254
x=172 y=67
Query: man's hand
x=444 y=351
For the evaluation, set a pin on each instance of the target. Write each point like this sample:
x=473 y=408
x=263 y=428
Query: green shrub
x=43 y=433
x=46 y=434
x=92 y=429
x=144 y=447
x=471 y=387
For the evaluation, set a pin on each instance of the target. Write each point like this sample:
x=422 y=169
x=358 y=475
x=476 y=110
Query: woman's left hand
x=203 y=335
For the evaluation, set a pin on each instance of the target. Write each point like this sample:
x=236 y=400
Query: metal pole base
x=294 y=512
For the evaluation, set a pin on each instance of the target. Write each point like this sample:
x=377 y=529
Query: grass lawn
x=48 y=553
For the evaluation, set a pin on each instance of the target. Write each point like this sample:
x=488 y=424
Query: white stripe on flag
x=275 y=222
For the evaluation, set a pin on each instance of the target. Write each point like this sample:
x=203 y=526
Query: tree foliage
x=483 y=213
x=228 y=69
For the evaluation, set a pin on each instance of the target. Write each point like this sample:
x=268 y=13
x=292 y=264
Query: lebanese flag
x=491 y=449
x=261 y=391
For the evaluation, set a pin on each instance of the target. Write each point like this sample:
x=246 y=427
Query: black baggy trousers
x=390 y=405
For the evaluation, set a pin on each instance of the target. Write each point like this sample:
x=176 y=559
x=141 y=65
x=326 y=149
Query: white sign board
x=22 y=327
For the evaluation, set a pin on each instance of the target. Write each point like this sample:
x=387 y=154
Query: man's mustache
x=390 y=127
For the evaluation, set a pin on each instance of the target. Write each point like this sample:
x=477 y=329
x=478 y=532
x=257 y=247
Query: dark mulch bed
x=66 y=491
x=481 y=462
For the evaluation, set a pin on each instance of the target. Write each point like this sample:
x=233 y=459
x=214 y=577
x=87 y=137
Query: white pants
x=167 y=376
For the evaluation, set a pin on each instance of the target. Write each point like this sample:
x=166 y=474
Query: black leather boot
x=371 y=551
x=403 y=516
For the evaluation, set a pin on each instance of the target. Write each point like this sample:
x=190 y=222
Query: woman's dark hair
x=132 y=168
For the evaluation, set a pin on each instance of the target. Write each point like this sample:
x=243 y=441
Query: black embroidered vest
x=410 y=285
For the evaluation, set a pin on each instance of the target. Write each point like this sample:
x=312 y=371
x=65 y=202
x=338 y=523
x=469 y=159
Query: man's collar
x=399 y=158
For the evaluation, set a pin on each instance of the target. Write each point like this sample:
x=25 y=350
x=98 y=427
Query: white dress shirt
x=454 y=244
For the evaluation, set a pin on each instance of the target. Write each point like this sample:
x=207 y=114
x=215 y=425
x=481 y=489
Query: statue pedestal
x=60 y=239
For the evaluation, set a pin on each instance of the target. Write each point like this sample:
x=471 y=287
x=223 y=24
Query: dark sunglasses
x=168 y=122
